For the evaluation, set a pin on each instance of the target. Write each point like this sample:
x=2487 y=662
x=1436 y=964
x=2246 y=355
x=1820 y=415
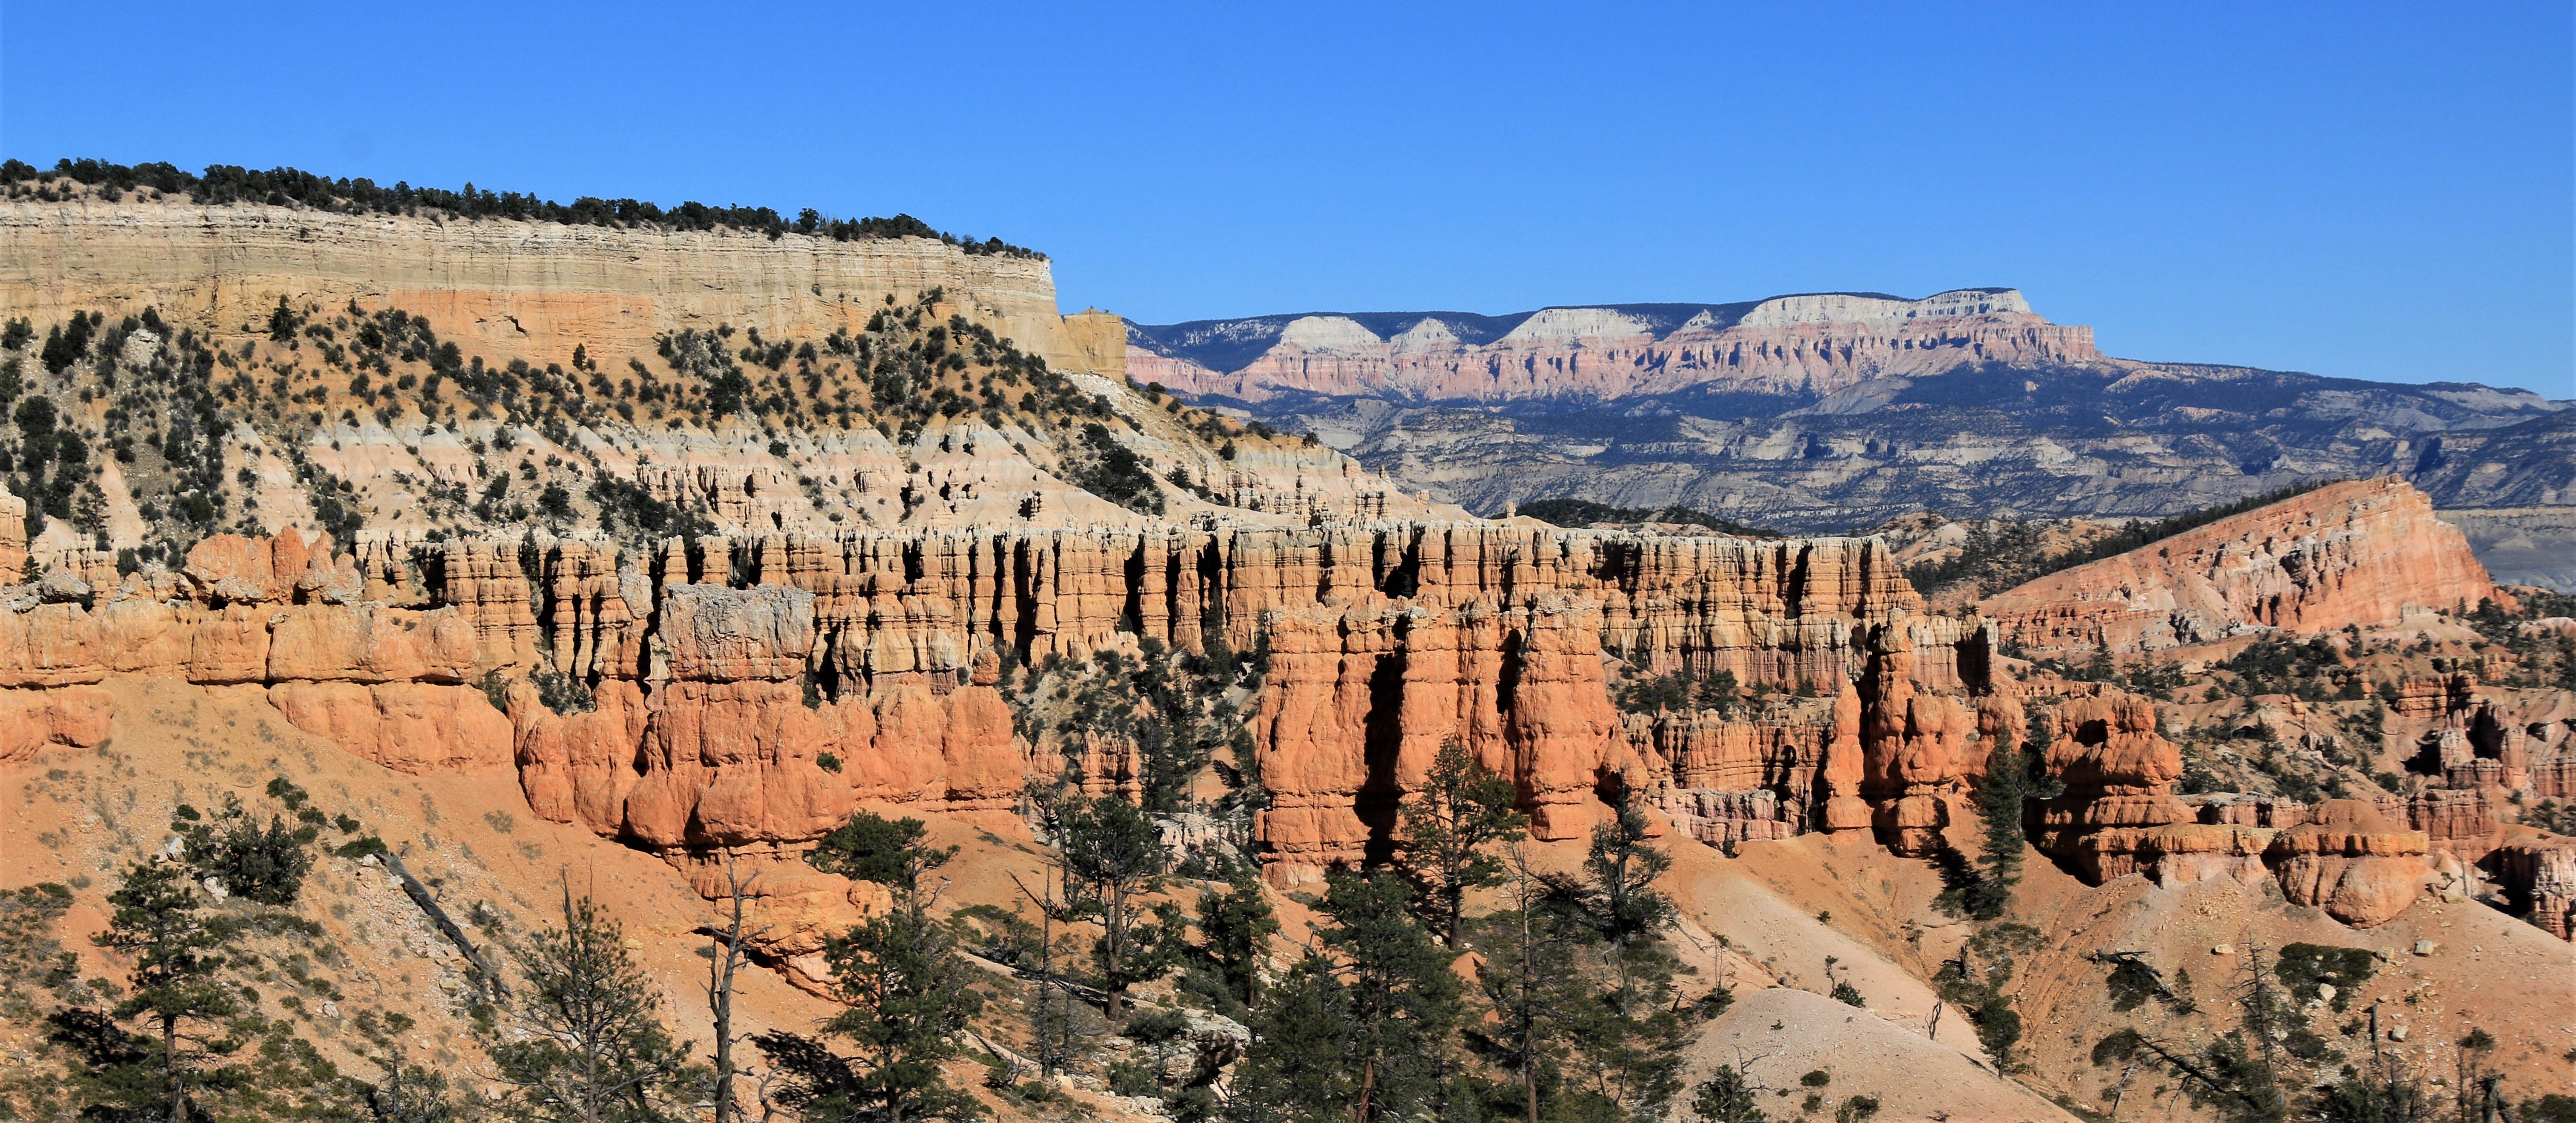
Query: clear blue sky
x=2376 y=190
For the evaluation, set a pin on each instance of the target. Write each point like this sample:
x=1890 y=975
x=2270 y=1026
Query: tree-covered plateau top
x=227 y=184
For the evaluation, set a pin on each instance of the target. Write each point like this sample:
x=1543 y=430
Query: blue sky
x=2378 y=191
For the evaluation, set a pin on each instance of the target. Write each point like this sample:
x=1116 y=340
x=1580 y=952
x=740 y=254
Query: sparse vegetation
x=1585 y=512
x=225 y=184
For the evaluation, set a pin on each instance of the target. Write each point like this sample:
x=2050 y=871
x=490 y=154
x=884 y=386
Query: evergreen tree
x=2000 y=847
x=175 y=987
x=890 y=852
x=1293 y=1068
x=1111 y=853
x=594 y=1048
x=1529 y=981
x=1727 y=1096
x=909 y=995
x=1451 y=823
x=1400 y=1000
x=1621 y=869
x=1625 y=1029
x=1235 y=927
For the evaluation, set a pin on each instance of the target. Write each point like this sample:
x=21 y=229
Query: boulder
x=2350 y=860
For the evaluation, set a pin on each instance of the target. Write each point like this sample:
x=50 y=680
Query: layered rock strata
x=2540 y=872
x=2119 y=816
x=2362 y=553
x=1813 y=343
x=505 y=287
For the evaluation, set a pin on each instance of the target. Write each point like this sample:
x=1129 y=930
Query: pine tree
x=890 y=852
x=1111 y=853
x=1401 y=1001
x=595 y=1049
x=1294 y=1067
x=1529 y=980
x=910 y=996
x=1727 y=1096
x=1451 y=823
x=2000 y=848
x=1621 y=869
x=175 y=986
x=1235 y=928
x=1626 y=1030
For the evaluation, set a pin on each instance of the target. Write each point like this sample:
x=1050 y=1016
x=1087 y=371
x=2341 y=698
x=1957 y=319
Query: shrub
x=1154 y=1027
x=262 y=864
x=2305 y=967
x=1133 y=1078
x=563 y=693
x=1100 y=465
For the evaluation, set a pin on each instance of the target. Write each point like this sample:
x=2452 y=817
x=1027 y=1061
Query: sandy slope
x=1778 y=1035
x=81 y=817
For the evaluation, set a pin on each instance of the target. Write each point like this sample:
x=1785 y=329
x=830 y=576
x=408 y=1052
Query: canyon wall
x=2364 y=552
x=499 y=287
x=747 y=691
x=1809 y=344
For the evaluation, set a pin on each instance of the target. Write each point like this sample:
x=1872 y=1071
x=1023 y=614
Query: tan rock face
x=503 y=288
x=2541 y=871
x=13 y=539
x=2363 y=553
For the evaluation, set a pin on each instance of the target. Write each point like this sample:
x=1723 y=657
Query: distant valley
x=1840 y=411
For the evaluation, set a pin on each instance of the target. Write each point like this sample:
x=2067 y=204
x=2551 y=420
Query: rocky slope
x=2364 y=554
x=1823 y=413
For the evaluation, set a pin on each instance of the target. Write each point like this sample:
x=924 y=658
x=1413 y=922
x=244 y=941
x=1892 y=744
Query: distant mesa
x=1810 y=342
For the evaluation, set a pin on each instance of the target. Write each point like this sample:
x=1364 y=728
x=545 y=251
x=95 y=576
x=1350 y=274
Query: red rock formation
x=1911 y=749
x=2363 y=869
x=2117 y=815
x=2361 y=553
x=1844 y=768
x=723 y=717
x=32 y=721
x=1360 y=700
x=413 y=727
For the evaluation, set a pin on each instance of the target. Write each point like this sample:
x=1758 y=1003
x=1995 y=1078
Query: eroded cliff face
x=1810 y=344
x=504 y=288
x=749 y=692
x=2119 y=815
x=2362 y=553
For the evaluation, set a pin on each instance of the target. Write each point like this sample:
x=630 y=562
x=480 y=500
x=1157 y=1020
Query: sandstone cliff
x=2358 y=553
x=503 y=288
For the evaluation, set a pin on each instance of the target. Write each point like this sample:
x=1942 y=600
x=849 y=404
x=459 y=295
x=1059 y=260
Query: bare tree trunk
x=1115 y=942
x=170 y=1059
x=720 y=973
